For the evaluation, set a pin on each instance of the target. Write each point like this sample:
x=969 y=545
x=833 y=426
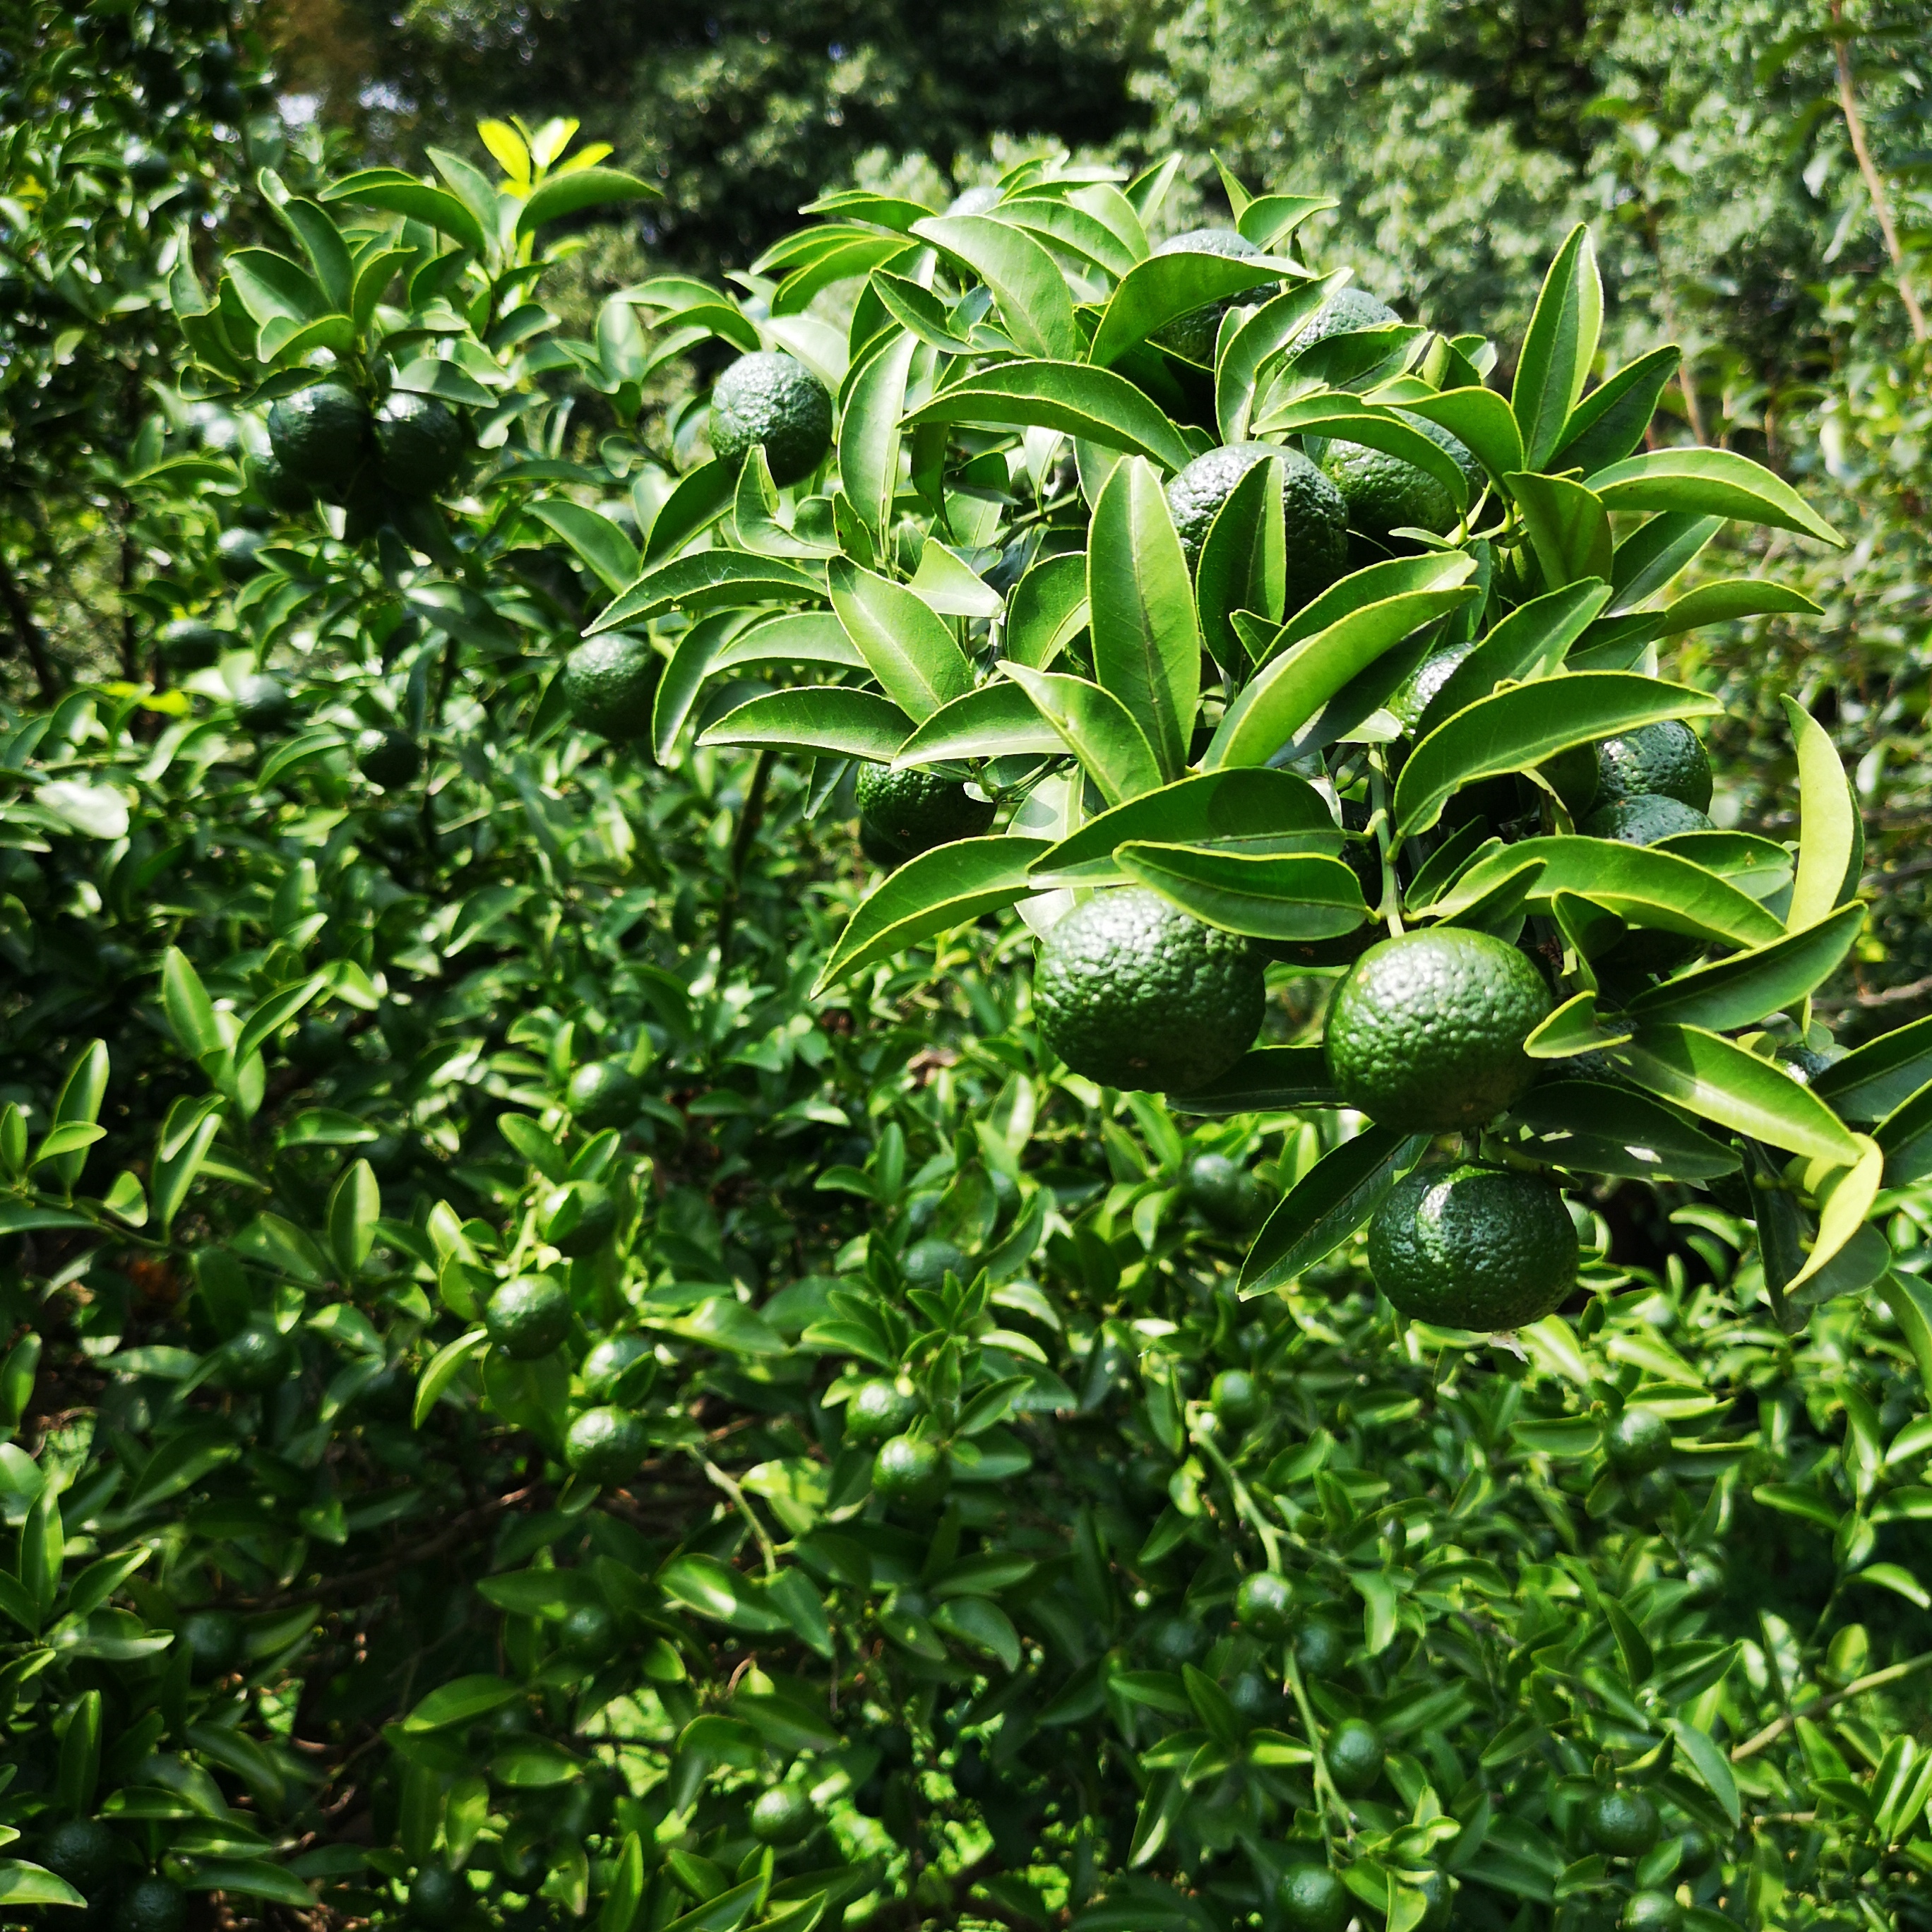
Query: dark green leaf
x=1095 y=405
x=1096 y=728
x=1559 y=348
x=1336 y=1196
x=1720 y=1082
x=817 y=719
x=1287 y=896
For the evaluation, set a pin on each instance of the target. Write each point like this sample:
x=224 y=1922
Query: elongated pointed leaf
x=754 y=514
x=998 y=721
x=826 y=719
x=1592 y=1127
x=443 y=1370
x=1336 y=1196
x=683 y=678
x=938 y=889
x=1569 y=528
x=1517 y=729
x=1718 y=603
x=1709 y=483
x=1558 y=351
x=869 y=431
x=910 y=648
x=1531 y=642
x=1034 y=302
x=1096 y=728
x=1095 y=405
x=1347 y=418
x=1573 y=1028
x=1847 y=1202
x=1049 y=610
x=572 y=193
x=701 y=497
x=595 y=539
x=1294 y=896
x=1270 y=219
x=1744 y=989
x=399 y=194
x=1884 y=1073
x=1906 y=1135
x=1244 y=563
x=1831 y=839
x=1147 y=641
x=1269 y=1079
x=1265 y=333
x=1720 y=1082
x=1155 y=292
x=792 y=637
x=1060 y=224
x=944 y=583
x=1480 y=418
x=710 y=579
x=1610 y=422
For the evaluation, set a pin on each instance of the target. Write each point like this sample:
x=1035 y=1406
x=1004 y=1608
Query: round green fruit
x=1315 y=518
x=926 y=1263
x=611 y=685
x=1311 y=1898
x=1131 y=991
x=1413 y=695
x=257 y=1360
x=1385 y=494
x=1621 y=1824
x=1320 y=1648
x=84 y=1852
x=783 y=1815
x=153 y=1905
x=1343 y=313
x=589 y=1634
x=1651 y=1912
x=1643 y=821
x=272 y=480
x=910 y=811
x=419 y=444
x=1354 y=1756
x=1177 y=1640
x=437 y=1896
x=577 y=1218
x=1223 y=1191
x=1425 y=1034
x=1666 y=760
x=1637 y=1441
x=877 y=1409
x=1482 y=1248
x=320 y=435
x=1696 y=1852
x=528 y=1317
x=1237 y=1400
x=770 y=400
x=193 y=644
x=1264 y=1606
x=262 y=704
x=237 y=552
x=610 y=1363
x=909 y=1469
x=603 y=1094
x=213 y=1639
x=1438 y=1892
x=390 y=759
x=1192 y=336
x=606 y=1446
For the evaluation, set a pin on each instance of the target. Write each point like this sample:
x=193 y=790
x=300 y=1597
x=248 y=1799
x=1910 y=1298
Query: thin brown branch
x=1855 y=126
x=26 y=632
x=1885 y=996
x=1773 y=1731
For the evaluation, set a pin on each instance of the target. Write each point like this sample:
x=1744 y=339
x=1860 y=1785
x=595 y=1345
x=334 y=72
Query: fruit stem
x=1328 y=1797
x=1390 y=910
x=1245 y=1505
x=766 y=1546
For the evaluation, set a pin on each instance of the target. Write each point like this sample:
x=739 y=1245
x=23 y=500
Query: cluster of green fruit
x=325 y=441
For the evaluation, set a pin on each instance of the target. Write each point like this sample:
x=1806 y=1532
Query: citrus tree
x=576 y=1353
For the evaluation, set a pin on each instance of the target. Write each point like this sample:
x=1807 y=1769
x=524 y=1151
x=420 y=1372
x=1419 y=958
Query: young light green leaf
x=1569 y=529
x=1147 y=641
x=396 y=192
x=911 y=650
x=1831 y=838
x=1270 y=219
x=1292 y=896
x=1708 y=482
x=1034 y=299
x=1709 y=1761
x=939 y=889
x=1049 y=610
x=1094 y=405
x=1559 y=348
x=827 y=719
x=1744 y=989
x=944 y=583
x=443 y=1370
x=1572 y=1029
x=1845 y=1202
x=190 y=1012
x=1096 y=726
x=353 y=1208
x=1156 y=291
x=1517 y=729
x=1336 y=1196
x=869 y=429
x=1062 y=225
x=1708 y=1074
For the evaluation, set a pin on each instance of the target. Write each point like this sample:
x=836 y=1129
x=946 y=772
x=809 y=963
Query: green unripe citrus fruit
x=1255 y=1699
x=1385 y=494
x=1264 y=1606
x=1438 y=1890
x=611 y=684
x=419 y=444
x=528 y=1317
x=390 y=759
x=263 y=704
x=1311 y=1898
x=153 y=1905
x=577 y=1218
x=1315 y=520
x=84 y=1852
x=1425 y=1034
x=272 y=480
x=213 y=1640
x=1354 y=1756
x=1237 y=1400
x=1643 y=821
x=610 y=1362
x=1177 y=1640
x=926 y=1263
x=1665 y=760
x=1696 y=1852
x=256 y=1360
x=1193 y=335
x=320 y=435
x=1476 y=1247
x=1651 y=1912
x=1637 y=1441
x=589 y=1633
x=1131 y=991
x=604 y=1094
x=1222 y=1190
x=1320 y=1648
x=1621 y=1824
x=770 y=399
x=909 y=1469
x=910 y=811
x=193 y=644
x=606 y=1445
x=237 y=552
x=1413 y=694
x=878 y=1408
x=436 y=1897
x=783 y=1815
x=1347 y=310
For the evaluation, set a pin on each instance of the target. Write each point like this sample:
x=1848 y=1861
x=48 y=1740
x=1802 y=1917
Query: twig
x=1855 y=126
x=1773 y=1731
x=1885 y=996
x=28 y=633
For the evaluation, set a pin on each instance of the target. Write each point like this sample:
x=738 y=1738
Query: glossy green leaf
x=869 y=431
x=595 y=539
x=1592 y=1126
x=581 y=188
x=1832 y=842
x=820 y=719
x=1706 y=482
x=1569 y=528
x=1262 y=334
x=1244 y=563
x=399 y=194
x=1095 y=405
x=1336 y=1196
x=997 y=720
x=1294 y=896
x=1034 y=302
x=910 y=649
x=755 y=515
x=1155 y=292
x=701 y=497
x=1096 y=728
x=683 y=678
x=1609 y=422
x=1720 y=1082
x=1559 y=347
x=1049 y=610
x=1346 y=418
x=1267 y=1079
x=1883 y=1074
x=1749 y=986
x=710 y=579
x=944 y=582
x=1480 y=419
x=443 y=1370
x=1531 y=642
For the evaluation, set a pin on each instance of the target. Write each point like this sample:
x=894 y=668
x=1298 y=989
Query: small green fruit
x=783 y=1815
x=878 y=1408
x=589 y=1633
x=1637 y=1441
x=257 y=1360
x=1354 y=1756
x=1621 y=1824
x=606 y=1445
x=1651 y=1912
x=213 y=1639
x=1264 y=1606
x=1236 y=1401
x=153 y=1905
x=436 y=1897
x=1312 y=1899
x=390 y=759
x=528 y=1317
x=605 y=1093
x=909 y=1469
x=927 y=1264
x=611 y=1362
x=578 y=1218
x=1320 y=1648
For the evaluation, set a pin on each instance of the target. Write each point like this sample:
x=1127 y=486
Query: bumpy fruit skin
x=1315 y=518
x=1413 y=694
x=771 y=398
x=604 y=1094
x=877 y=1409
x=909 y=1469
x=1347 y=310
x=1637 y=1442
x=1665 y=760
x=1621 y=1824
x=606 y=1445
x=1238 y=1403
x=1264 y=1606
x=153 y=1905
x=84 y=1852
x=528 y=1317
x=783 y=1816
x=611 y=684
x=610 y=1362
x=1425 y=1034
x=911 y=811
x=1131 y=991
x=1574 y=777
x=1312 y=1899
x=1643 y=821
x=1354 y=1756
x=926 y=1263
x=1385 y=494
x=390 y=759
x=213 y=1639
x=1193 y=335
x=1483 y=1248
x=320 y=435
x=1222 y=1189
x=419 y=444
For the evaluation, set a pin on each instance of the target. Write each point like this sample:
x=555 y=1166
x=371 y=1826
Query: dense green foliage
x=530 y=1400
